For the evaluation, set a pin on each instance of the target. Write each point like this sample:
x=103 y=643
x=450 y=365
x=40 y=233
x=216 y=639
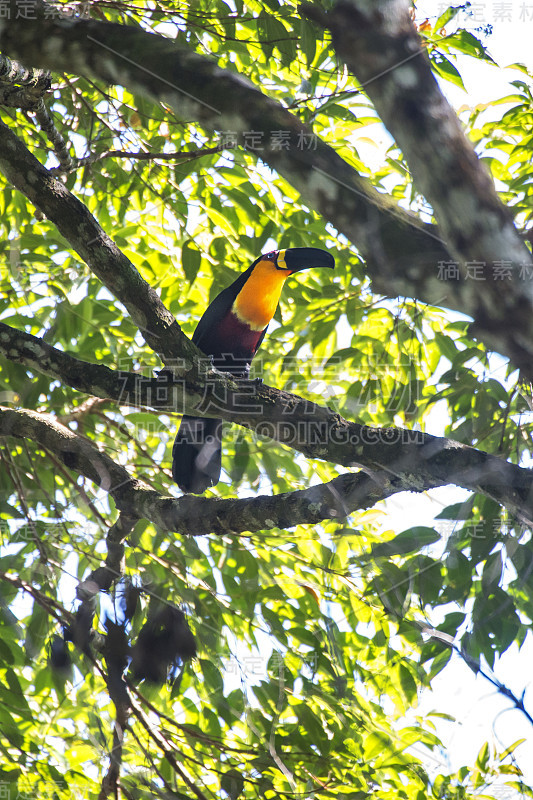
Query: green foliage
x=311 y=641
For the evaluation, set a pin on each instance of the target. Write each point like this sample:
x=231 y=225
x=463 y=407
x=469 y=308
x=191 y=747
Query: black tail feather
x=197 y=454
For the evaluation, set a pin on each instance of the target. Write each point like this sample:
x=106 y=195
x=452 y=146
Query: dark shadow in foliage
x=116 y=652
x=60 y=659
x=164 y=641
x=80 y=631
x=129 y=600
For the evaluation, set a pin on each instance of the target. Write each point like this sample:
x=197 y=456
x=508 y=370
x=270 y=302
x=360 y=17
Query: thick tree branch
x=25 y=85
x=314 y=431
x=401 y=460
x=126 y=388
x=381 y=46
x=96 y=248
x=192 y=515
x=402 y=253
x=111 y=780
x=29 y=95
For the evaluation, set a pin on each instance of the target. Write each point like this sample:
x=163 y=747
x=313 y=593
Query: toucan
x=230 y=331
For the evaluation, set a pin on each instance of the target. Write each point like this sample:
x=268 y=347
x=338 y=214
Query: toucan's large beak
x=296 y=258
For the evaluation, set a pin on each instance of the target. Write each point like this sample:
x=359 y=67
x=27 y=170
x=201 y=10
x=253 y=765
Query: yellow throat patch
x=258 y=299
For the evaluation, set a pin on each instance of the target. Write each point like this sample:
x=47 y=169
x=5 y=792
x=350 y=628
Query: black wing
x=217 y=310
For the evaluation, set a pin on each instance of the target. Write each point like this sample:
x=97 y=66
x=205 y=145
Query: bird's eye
x=270 y=256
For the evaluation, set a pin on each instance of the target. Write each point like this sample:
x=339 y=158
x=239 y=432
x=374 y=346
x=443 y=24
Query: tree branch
x=474 y=663
x=193 y=515
x=102 y=578
x=97 y=249
x=190 y=515
x=181 y=155
x=381 y=46
x=166 y=748
x=60 y=145
x=399 y=460
x=401 y=251
x=25 y=89
x=409 y=460
x=31 y=84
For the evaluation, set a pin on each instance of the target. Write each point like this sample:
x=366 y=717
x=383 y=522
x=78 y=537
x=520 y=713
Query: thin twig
x=185 y=155
x=61 y=146
x=166 y=749
x=475 y=665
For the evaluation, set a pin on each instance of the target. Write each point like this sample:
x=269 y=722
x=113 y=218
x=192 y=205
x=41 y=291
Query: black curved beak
x=296 y=258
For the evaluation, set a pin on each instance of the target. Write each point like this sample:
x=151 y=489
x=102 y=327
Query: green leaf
x=444 y=67
x=457 y=511
x=511 y=749
x=406 y=542
x=492 y=572
x=308 y=40
x=463 y=41
x=191 y=259
x=446 y=16
x=232 y=784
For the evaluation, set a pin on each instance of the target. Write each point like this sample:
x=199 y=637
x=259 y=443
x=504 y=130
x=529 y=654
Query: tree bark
x=380 y=45
x=399 y=460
